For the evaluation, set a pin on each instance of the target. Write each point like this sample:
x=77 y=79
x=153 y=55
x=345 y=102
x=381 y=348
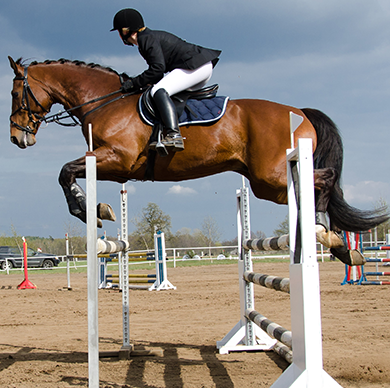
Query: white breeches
x=180 y=79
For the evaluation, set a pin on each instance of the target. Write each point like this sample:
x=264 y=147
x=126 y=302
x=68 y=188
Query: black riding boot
x=168 y=114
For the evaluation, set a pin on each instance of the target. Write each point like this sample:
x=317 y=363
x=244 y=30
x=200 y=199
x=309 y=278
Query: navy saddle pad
x=200 y=112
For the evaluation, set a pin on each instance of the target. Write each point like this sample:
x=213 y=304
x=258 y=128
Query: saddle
x=193 y=107
x=180 y=100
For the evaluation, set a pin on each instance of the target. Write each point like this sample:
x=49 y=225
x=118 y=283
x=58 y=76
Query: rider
x=174 y=66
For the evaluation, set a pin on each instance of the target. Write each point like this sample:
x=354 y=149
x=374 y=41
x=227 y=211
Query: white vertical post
x=307 y=367
x=92 y=268
x=124 y=262
x=67 y=259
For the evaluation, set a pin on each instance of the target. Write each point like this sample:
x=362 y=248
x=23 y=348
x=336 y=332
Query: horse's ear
x=15 y=67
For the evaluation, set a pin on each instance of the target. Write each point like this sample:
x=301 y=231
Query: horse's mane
x=62 y=61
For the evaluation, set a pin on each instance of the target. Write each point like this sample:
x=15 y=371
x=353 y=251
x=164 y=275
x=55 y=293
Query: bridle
x=26 y=106
x=58 y=118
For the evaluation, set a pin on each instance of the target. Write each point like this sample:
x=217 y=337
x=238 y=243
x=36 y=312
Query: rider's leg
x=175 y=82
x=168 y=114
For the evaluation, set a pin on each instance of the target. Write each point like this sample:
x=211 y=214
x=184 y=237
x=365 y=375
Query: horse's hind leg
x=75 y=195
x=324 y=182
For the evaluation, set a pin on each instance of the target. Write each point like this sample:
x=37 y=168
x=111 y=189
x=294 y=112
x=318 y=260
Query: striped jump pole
x=273 y=329
x=150 y=275
x=375 y=283
x=268 y=244
x=284 y=337
x=377 y=260
x=378 y=248
x=268 y=281
x=377 y=273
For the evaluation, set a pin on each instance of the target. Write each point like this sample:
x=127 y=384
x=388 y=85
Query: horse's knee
x=65 y=177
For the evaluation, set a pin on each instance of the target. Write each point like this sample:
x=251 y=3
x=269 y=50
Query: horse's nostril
x=14 y=140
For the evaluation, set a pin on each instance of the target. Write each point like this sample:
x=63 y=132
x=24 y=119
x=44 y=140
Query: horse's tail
x=329 y=153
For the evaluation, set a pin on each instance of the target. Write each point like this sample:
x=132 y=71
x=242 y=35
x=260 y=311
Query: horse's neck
x=75 y=86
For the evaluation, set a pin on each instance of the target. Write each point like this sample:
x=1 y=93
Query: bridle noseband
x=26 y=106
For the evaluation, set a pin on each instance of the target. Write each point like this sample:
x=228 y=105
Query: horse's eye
x=15 y=94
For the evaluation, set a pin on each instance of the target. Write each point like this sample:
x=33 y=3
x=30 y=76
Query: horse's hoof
x=356 y=257
x=350 y=257
x=329 y=239
x=105 y=212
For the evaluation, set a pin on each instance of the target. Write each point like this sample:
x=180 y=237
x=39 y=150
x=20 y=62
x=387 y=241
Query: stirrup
x=158 y=146
x=174 y=141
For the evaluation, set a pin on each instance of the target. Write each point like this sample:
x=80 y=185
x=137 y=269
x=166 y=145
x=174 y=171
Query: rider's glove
x=127 y=86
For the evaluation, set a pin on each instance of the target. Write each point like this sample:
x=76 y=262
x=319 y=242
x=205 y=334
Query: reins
x=65 y=114
x=59 y=117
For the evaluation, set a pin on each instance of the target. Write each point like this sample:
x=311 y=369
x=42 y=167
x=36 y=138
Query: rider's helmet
x=128 y=18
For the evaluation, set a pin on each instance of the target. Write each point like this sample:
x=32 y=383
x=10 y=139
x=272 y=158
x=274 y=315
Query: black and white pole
x=124 y=270
x=92 y=266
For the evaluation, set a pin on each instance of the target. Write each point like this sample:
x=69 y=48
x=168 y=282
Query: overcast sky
x=325 y=54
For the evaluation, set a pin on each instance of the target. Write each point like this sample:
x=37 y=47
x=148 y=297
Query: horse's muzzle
x=24 y=140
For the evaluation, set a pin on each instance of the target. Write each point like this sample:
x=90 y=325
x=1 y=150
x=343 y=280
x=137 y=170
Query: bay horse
x=250 y=139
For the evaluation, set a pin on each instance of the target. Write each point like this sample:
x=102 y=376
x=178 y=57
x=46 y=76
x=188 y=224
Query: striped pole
x=377 y=260
x=105 y=246
x=153 y=276
x=378 y=248
x=273 y=329
x=274 y=282
x=377 y=273
x=283 y=351
x=268 y=244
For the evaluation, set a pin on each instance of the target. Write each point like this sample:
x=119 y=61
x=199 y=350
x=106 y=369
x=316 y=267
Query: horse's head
x=28 y=106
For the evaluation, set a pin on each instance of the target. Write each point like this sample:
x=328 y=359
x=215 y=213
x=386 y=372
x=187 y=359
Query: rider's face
x=132 y=39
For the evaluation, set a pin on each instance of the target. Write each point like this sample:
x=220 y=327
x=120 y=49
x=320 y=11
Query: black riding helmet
x=127 y=18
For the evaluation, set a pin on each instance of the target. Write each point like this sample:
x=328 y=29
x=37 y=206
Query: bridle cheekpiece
x=35 y=119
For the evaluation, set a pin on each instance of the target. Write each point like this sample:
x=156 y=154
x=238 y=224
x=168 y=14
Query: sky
x=324 y=54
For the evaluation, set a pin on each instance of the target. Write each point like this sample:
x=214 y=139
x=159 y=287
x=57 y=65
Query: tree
x=382 y=229
x=76 y=236
x=151 y=219
x=210 y=232
x=282 y=228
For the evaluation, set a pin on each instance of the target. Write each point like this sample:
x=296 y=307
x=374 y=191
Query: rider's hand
x=127 y=86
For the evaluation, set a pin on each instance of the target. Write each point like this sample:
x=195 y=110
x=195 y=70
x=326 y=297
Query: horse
x=250 y=139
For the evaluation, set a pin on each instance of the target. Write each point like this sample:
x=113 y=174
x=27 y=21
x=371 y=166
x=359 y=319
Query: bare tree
x=210 y=232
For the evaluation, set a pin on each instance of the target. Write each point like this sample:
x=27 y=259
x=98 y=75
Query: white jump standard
x=306 y=369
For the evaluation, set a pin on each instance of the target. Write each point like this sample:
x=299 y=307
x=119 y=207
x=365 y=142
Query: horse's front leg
x=324 y=183
x=75 y=195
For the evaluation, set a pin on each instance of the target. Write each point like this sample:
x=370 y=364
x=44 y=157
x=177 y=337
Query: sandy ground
x=43 y=336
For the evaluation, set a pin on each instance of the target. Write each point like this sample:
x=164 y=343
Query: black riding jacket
x=165 y=52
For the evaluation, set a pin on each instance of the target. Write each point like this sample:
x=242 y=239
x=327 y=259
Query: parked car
x=14 y=256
